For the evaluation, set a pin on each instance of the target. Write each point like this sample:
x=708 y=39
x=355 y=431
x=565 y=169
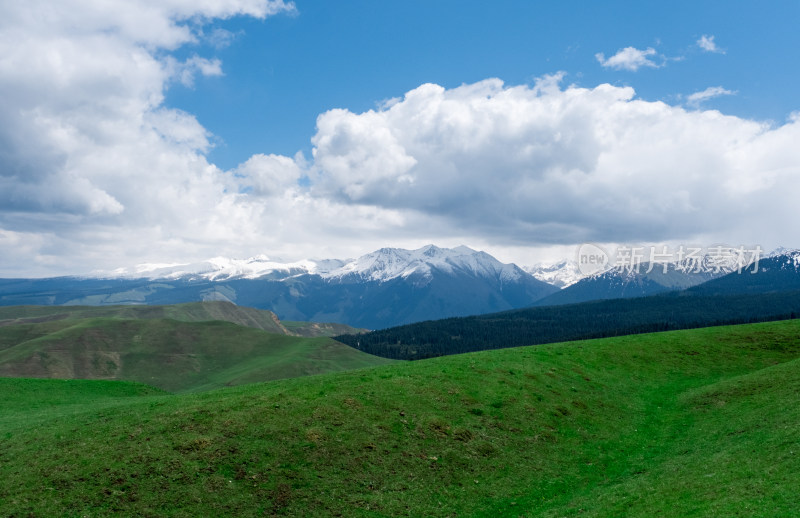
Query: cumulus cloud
x=86 y=142
x=629 y=58
x=707 y=44
x=697 y=98
x=549 y=165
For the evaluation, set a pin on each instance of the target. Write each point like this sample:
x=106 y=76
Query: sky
x=173 y=131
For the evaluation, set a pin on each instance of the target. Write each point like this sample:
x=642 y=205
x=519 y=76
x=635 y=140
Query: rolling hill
x=189 y=312
x=176 y=348
x=700 y=423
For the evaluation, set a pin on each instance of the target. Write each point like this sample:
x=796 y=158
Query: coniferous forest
x=551 y=324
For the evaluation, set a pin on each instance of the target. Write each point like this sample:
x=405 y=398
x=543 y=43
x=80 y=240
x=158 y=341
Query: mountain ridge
x=390 y=286
x=381 y=265
x=385 y=288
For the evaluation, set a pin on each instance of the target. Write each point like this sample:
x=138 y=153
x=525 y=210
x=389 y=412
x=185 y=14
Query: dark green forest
x=551 y=324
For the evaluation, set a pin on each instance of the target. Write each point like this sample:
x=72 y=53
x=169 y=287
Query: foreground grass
x=702 y=422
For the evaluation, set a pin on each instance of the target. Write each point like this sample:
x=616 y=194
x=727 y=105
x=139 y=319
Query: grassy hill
x=189 y=312
x=176 y=348
x=685 y=423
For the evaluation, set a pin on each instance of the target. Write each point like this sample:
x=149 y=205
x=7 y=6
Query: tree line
x=599 y=319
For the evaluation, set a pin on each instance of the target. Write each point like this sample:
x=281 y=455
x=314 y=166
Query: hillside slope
x=170 y=354
x=187 y=312
x=701 y=423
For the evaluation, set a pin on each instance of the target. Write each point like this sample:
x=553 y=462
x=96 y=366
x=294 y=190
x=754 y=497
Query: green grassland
x=180 y=348
x=686 y=423
x=26 y=402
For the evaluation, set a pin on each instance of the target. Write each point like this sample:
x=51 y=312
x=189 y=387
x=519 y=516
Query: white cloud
x=709 y=93
x=531 y=165
x=96 y=173
x=629 y=58
x=221 y=38
x=270 y=175
x=87 y=148
x=707 y=43
x=185 y=72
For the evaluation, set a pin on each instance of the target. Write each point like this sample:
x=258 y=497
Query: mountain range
x=644 y=279
x=640 y=280
x=393 y=286
x=387 y=287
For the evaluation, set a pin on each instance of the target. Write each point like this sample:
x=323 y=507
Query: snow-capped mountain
x=223 y=268
x=637 y=279
x=790 y=259
x=778 y=271
x=387 y=287
x=561 y=274
x=783 y=251
x=392 y=263
x=393 y=286
x=381 y=266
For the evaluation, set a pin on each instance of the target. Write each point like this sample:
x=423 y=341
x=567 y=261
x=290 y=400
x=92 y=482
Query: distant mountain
x=640 y=280
x=393 y=286
x=382 y=265
x=387 y=287
x=779 y=271
x=388 y=264
x=222 y=269
x=560 y=274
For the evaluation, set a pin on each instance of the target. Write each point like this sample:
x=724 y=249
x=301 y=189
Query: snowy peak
x=560 y=274
x=697 y=265
x=392 y=263
x=381 y=266
x=783 y=258
x=781 y=250
x=222 y=268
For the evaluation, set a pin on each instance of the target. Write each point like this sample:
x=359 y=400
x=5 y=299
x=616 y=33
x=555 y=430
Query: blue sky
x=280 y=73
x=166 y=131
